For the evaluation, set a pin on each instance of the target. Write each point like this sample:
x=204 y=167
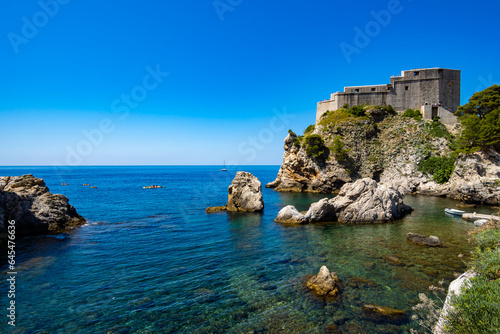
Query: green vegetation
x=315 y=147
x=338 y=150
x=297 y=141
x=309 y=129
x=440 y=168
x=413 y=113
x=481 y=121
x=291 y=132
x=477 y=308
x=388 y=109
x=357 y=111
x=437 y=129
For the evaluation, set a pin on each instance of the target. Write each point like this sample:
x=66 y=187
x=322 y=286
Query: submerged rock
x=324 y=283
x=383 y=312
x=290 y=215
x=245 y=193
x=27 y=200
x=422 y=240
x=212 y=209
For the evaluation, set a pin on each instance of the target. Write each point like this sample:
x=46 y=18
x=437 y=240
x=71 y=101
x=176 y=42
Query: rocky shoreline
x=389 y=151
x=35 y=210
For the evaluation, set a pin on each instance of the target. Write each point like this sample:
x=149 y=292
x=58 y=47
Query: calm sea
x=152 y=260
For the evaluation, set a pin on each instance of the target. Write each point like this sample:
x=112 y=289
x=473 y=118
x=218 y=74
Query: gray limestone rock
x=368 y=201
x=245 y=193
x=290 y=215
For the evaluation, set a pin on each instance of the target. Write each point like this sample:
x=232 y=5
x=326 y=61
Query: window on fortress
x=407 y=87
x=356 y=91
x=416 y=73
x=373 y=89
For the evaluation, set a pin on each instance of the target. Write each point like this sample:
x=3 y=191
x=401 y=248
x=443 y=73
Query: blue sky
x=200 y=82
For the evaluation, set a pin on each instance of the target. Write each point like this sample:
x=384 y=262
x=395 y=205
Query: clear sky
x=199 y=82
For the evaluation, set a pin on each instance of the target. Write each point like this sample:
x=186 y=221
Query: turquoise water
x=152 y=260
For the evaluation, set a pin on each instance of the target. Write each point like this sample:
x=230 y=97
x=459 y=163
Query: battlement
x=412 y=89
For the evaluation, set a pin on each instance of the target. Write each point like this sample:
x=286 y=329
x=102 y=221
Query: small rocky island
x=244 y=195
x=364 y=201
x=27 y=201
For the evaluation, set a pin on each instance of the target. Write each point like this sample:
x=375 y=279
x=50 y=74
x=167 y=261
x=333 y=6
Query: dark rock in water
x=324 y=284
x=360 y=282
x=27 y=201
x=212 y=209
x=353 y=329
x=332 y=329
x=383 y=313
x=422 y=240
x=394 y=260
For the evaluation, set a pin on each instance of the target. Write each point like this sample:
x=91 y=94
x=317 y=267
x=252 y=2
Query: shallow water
x=152 y=260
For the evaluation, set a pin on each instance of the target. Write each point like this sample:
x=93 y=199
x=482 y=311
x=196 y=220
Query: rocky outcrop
x=364 y=201
x=476 y=178
x=454 y=289
x=27 y=200
x=368 y=201
x=422 y=240
x=244 y=194
x=387 y=149
x=324 y=284
x=300 y=173
x=290 y=215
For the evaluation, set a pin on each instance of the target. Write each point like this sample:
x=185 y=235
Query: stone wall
x=412 y=89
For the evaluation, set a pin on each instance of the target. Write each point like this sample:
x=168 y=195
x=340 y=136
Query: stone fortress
x=433 y=91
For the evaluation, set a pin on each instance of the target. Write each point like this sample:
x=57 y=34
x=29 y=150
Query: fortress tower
x=433 y=91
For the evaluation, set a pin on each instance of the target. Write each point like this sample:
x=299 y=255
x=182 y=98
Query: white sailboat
x=224 y=169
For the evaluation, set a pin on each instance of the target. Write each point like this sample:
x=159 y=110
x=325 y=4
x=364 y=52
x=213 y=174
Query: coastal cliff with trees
x=400 y=149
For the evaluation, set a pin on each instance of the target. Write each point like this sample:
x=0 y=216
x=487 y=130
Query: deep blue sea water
x=152 y=260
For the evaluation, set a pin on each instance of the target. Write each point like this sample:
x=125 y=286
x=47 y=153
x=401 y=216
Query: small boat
x=64 y=184
x=93 y=187
x=224 y=169
x=153 y=187
x=86 y=184
x=454 y=212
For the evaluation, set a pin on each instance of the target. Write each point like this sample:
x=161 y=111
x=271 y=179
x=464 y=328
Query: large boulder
x=364 y=201
x=324 y=210
x=245 y=193
x=422 y=240
x=290 y=215
x=325 y=284
x=27 y=200
x=368 y=201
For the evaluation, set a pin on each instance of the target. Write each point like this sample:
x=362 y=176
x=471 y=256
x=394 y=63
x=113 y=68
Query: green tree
x=338 y=150
x=481 y=121
x=315 y=147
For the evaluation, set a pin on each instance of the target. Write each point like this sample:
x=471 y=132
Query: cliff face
x=387 y=148
x=27 y=200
